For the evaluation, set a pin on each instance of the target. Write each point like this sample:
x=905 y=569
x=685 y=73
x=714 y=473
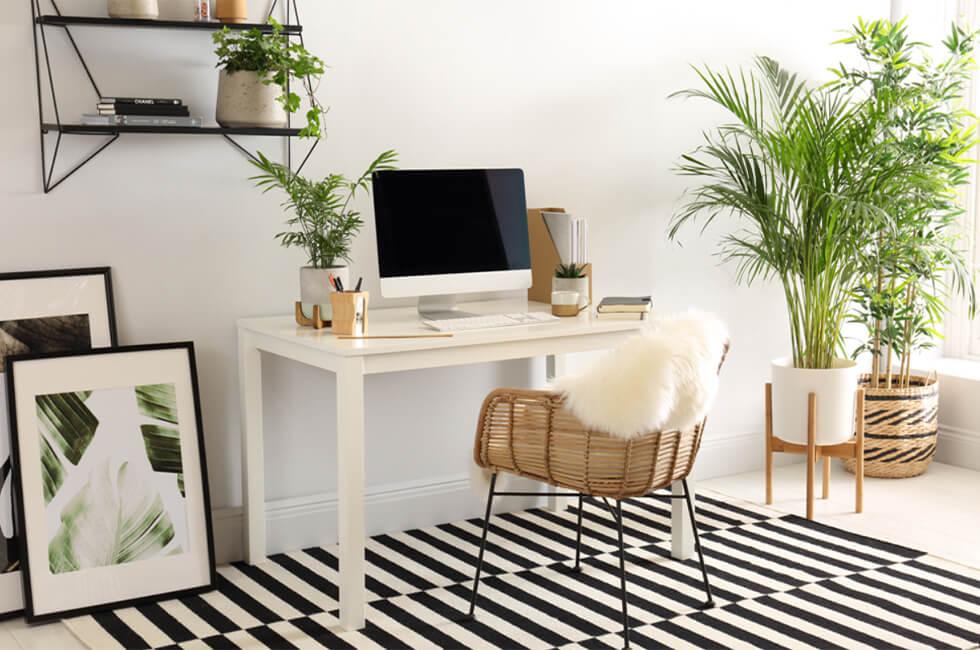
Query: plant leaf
x=67 y=423
x=116 y=518
x=163 y=450
x=158 y=401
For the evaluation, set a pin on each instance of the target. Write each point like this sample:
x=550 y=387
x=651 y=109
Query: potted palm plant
x=323 y=222
x=792 y=168
x=254 y=83
x=914 y=262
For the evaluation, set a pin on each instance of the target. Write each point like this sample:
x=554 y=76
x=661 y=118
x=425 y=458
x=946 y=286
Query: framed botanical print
x=43 y=311
x=111 y=485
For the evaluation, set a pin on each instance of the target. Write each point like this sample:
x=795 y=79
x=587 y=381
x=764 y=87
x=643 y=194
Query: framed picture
x=43 y=311
x=111 y=486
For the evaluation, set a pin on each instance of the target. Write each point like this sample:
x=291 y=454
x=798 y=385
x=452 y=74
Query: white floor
x=938 y=512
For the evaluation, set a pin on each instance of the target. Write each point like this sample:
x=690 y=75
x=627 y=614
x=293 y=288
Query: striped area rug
x=779 y=581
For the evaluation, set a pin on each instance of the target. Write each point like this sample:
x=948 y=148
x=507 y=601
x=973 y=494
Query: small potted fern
x=573 y=277
x=323 y=222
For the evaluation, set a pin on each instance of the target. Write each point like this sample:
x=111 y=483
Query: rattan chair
x=529 y=433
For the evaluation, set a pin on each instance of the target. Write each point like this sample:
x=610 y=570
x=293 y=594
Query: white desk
x=350 y=361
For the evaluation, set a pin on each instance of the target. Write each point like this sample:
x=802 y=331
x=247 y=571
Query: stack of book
x=141 y=111
x=624 y=308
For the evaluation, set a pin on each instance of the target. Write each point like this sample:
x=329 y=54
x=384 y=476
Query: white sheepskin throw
x=661 y=380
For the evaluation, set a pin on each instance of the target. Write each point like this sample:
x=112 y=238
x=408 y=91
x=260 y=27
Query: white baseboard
x=311 y=521
x=960 y=447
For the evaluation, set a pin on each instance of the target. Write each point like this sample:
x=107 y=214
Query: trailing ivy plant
x=277 y=59
x=914 y=261
x=323 y=223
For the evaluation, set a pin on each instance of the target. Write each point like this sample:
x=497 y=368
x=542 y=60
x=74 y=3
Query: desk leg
x=350 y=491
x=555 y=367
x=253 y=464
x=681 y=533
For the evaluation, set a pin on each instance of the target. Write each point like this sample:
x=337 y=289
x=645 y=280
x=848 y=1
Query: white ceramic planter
x=835 y=389
x=314 y=287
x=243 y=100
x=581 y=285
x=146 y=9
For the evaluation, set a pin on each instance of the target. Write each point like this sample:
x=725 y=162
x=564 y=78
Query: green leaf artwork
x=66 y=423
x=159 y=401
x=117 y=517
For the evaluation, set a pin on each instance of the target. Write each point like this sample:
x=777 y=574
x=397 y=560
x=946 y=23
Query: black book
x=143 y=109
x=147 y=101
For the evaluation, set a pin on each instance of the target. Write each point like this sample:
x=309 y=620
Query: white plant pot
x=315 y=289
x=581 y=285
x=834 y=388
x=146 y=9
x=243 y=101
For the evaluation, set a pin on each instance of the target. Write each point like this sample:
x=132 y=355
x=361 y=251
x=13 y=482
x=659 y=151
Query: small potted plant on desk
x=574 y=277
x=914 y=262
x=323 y=223
x=254 y=82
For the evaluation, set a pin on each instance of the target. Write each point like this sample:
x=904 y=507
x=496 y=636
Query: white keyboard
x=490 y=321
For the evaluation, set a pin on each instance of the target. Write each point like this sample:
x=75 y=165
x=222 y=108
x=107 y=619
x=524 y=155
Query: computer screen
x=436 y=222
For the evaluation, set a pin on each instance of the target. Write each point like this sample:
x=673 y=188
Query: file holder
x=545 y=257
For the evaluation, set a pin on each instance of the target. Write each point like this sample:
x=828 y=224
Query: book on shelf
x=140 y=120
x=625 y=304
x=143 y=109
x=146 y=101
x=621 y=315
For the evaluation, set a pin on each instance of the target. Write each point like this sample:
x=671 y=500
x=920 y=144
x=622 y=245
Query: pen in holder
x=350 y=312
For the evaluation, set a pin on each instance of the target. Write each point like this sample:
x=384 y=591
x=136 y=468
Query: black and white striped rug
x=779 y=581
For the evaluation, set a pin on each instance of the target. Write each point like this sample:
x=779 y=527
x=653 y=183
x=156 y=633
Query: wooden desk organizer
x=545 y=257
x=350 y=312
x=851 y=449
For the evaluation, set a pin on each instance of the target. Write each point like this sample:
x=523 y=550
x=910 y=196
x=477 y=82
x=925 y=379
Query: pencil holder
x=350 y=312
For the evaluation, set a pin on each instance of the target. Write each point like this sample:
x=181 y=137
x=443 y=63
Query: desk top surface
x=405 y=321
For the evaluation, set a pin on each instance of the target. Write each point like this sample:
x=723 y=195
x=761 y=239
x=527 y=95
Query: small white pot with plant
x=142 y=9
x=572 y=277
x=801 y=219
x=323 y=222
x=254 y=81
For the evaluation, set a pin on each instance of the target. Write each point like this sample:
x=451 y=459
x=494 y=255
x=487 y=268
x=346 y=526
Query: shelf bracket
x=48 y=170
x=289 y=162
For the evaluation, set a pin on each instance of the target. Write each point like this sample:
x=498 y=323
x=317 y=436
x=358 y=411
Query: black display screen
x=433 y=222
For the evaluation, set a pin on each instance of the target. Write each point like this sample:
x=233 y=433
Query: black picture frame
x=29 y=613
x=110 y=309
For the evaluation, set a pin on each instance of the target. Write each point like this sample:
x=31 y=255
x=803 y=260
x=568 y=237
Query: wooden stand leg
x=859 y=452
x=826 y=477
x=768 y=444
x=811 y=450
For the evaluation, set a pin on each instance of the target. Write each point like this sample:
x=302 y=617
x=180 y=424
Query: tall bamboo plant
x=792 y=169
x=914 y=262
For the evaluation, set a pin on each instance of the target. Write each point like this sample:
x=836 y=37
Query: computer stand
x=441 y=308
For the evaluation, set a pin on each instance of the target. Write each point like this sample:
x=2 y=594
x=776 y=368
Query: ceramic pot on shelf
x=315 y=289
x=245 y=101
x=835 y=389
x=231 y=11
x=142 y=9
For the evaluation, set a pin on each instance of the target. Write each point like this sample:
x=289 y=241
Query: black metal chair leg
x=483 y=545
x=622 y=573
x=697 y=546
x=578 y=538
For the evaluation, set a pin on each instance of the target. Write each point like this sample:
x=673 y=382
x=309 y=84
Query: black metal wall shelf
x=58 y=20
x=42 y=20
x=113 y=129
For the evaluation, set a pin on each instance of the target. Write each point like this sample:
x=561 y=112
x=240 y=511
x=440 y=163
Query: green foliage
x=322 y=222
x=913 y=262
x=793 y=170
x=570 y=271
x=276 y=58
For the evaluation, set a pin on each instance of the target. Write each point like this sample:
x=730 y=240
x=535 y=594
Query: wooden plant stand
x=313 y=321
x=851 y=449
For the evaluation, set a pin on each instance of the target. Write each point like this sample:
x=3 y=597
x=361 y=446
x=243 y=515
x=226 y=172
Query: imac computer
x=446 y=232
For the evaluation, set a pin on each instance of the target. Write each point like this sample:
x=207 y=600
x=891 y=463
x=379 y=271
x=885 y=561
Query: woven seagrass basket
x=900 y=428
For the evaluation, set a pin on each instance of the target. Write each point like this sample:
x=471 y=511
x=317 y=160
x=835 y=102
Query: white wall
x=573 y=91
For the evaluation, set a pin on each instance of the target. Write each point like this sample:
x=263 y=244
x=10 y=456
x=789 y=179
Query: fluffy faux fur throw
x=661 y=380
